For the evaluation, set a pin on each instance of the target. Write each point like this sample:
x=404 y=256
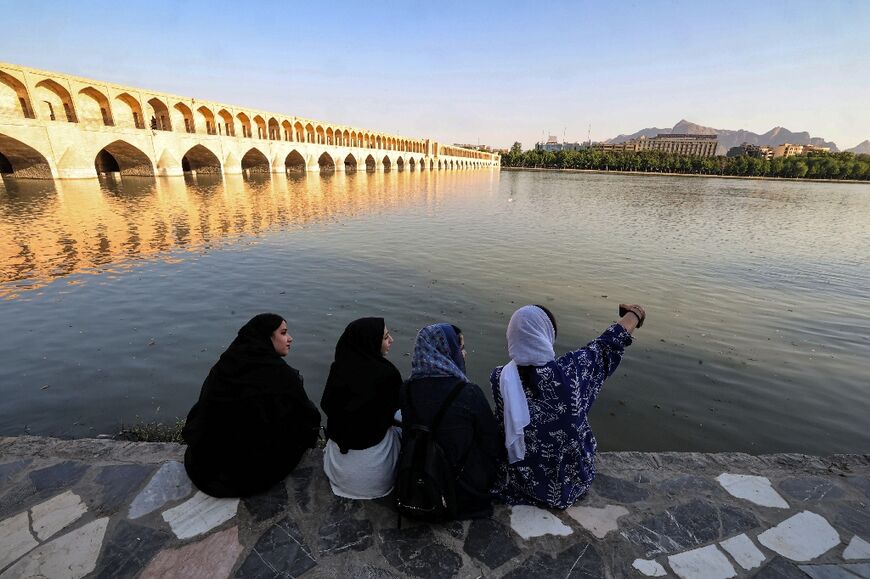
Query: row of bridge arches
x=17 y=158
x=91 y=106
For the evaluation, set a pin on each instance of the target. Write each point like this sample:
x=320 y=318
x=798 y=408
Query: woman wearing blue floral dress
x=542 y=404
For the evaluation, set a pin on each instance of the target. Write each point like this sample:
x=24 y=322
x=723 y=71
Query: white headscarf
x=530 y=338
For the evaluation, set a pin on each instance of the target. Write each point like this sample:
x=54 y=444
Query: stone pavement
x=102 y=508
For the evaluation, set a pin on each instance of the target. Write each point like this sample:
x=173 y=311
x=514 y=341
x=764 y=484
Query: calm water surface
x=117 y=296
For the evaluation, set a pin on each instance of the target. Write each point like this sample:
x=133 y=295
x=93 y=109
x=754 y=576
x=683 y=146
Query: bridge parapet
x=54 y=125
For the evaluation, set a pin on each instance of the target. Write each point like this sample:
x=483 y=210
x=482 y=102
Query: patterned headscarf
x=437 y=353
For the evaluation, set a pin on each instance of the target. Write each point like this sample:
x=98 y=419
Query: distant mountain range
x=729 y=138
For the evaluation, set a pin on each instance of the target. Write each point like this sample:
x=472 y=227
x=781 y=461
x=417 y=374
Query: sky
x=478 y=71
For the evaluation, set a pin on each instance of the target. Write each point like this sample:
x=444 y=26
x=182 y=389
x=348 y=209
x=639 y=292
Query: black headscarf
x=253 y=419
x=362 y=392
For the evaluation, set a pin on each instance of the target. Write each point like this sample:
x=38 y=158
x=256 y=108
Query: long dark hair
x=528 y=373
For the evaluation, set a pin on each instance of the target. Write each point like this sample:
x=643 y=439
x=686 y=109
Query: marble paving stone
x=69 y=556
x=810 y=488
x=280 y=552
x=860 y=569
x=649 y=568
x=169 y=483
x=779 y=568
x=579 y=560
x=827 y=572
x=853 y=517
x=862 y=482
x=597 y=521
x=704 y=563
x=59 y=476
x=15 y=538
x=858 y=548
x=801 y=537
x=119 y=482
x=128 y=549
x=617 y=489
x=490 y=542
x=52 y=515
x=210 y=558
x=688 y=483
x=343 y=531
x=199 y=514
x=301 y=480
x=743 y=550
x=10 y=469
x=528 y=521
x=414 y=551
x=688 y=525
x=269 y=504
x=755 y=489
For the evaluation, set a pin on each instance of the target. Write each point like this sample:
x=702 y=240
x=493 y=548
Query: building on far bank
x=552 y=145
x=694 y=145
x=747 y=150
x=789 y=150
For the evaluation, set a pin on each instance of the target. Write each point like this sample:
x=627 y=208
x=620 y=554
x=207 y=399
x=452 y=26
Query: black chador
x=253 y=420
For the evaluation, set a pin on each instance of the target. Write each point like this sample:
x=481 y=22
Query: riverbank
x=707 y=176
x=105 y=508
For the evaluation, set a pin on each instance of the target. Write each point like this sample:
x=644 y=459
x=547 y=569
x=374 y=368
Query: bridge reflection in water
x=51 y=229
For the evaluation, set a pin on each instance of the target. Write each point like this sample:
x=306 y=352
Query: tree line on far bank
x=811 y=166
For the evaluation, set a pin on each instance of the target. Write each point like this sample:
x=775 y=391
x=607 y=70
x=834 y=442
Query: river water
x=117 y=296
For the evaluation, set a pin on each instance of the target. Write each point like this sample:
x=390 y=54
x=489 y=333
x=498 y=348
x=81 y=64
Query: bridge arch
x=128 y=112
x=321 y=135
x=14 y=99
x=371 y=164
x=309 y=133
x=274 y=129
x=350 y=163
x=186 y=117
x=330 y=136
x=245 y=121
x=294 y=162
x=421 y=164
x=20 y=160
x=229 y=126
x=261 y=127
x=206 y=119
x=255 y=161
x=288 y=130
x=201 y=159
x=412 y=164
x=55 y=101
x=299 y=132
x=400 y=163
x=388 y=164
x=122 y=157
x=159 y=115
x=326 y=163
x=93 y=107
x=431 y=164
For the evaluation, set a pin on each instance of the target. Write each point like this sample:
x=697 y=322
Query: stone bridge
x=54 y=125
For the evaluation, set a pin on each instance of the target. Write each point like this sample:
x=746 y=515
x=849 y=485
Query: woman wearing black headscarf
x=253 y=420
x=360 y=400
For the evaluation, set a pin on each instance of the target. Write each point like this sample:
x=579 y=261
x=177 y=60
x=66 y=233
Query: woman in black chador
x=253 y=420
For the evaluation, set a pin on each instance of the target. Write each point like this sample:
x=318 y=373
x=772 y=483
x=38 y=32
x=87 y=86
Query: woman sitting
x=360 y=399
x=542 y=402
x=467 y=432
x=253 y=420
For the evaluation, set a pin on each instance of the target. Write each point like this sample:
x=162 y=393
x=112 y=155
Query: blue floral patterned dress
x=560 y=448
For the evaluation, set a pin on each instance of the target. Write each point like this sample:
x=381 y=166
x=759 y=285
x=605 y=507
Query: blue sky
x=478 y=71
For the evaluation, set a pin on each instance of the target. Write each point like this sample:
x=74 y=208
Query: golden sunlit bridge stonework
x=55 y=125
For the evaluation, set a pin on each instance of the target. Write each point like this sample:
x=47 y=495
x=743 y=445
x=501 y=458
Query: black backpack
x=425 y=480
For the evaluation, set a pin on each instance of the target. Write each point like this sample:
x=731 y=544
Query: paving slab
x=169 y=483
x=756 y=489
x=801 y=537
x=69 y=556
x=664 y=505
x=704 y=563
x=858 y=548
